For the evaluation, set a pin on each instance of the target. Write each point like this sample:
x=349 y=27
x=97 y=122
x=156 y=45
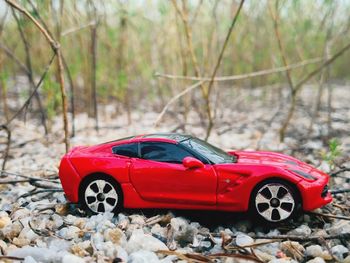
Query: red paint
x=191 y=184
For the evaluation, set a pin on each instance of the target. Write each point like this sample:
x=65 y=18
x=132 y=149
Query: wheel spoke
x=267 y=213
x=93 y=206
x=261 y=198
x=101 y=184
x=109 y=204
x=288 y=198
x=273 y=189
x=283 y=213
x=90 y=192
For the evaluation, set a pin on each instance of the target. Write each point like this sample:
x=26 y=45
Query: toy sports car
x=183 y=172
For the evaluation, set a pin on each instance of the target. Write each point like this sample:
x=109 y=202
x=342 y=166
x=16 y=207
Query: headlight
x=303 y=174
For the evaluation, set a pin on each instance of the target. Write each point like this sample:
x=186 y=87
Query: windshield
x=208 y=151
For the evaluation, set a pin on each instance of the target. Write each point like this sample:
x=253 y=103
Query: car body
x=178 y=171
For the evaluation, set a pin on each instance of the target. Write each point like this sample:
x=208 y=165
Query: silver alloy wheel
x=274 y=202
x=100 y=196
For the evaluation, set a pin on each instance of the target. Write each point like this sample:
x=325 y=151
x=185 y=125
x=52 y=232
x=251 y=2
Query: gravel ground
x=43 y=227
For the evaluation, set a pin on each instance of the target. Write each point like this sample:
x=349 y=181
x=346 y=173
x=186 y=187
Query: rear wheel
x=100 y=193
x=274 y=201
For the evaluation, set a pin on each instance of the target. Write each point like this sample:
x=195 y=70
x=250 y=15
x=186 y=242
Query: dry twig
x=56 y=48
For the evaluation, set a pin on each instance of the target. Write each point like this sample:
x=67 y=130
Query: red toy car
x=183 y=172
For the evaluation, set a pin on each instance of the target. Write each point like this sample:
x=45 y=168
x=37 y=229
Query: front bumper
x=70 y=180
x=315 y=194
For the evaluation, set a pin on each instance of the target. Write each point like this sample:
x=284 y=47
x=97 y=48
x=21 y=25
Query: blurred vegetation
x=136 y=39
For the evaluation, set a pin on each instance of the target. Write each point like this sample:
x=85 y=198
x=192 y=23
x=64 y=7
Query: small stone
x=158 y=230
x=341 y=227
x=137 y=219
x=80 y=249
x=62 y=209
x=109 y=249
x=29 y=259
x=38 y=254
x=143 y=256
x=317 y=251
x=70 y=232
x=20 y=213
x=80 y=223
x=70 y=258
x=5 y=221
x=13 y=230
x=28 y=233
x=139 y=241
x=283 y=260
x=302 y=230
x=178 y=223
x=347 y=259
x=263 y=256
x=20 y=242
x=3 y=246
x=316 y=260
x=244 y=240
x=115 y=235
x=122 y=254
x=339 y=251
x=293 y=249
x=243 y=226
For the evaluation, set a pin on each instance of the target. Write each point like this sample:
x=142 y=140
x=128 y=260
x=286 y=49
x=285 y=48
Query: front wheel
x=274 y=201
x=100 y=194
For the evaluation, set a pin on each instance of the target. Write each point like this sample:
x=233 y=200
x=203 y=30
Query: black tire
x=97 y=192
x=274 y=201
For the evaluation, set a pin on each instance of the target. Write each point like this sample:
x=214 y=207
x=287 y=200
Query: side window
x=129 y=150
x=163 y=152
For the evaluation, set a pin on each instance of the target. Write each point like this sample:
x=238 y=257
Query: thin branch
x=188 y=33
x=75 y=29
x=340 y=191
x=27 y=102
x=346 y=169
x=11 y=55
x=247 y=75
x=56 y=48
x=30 y=70
x=324 y=64
x=35 y=192
x=179 y=95
x=52 y=42
x=330 y=216
x=7 y=150
x=234 y=20
x=226 y=78
x=211 y=82
x=72 y=88
x=303 y=239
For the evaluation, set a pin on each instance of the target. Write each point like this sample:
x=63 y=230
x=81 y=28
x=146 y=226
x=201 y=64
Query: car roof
x=171 y=136
x=160 y=137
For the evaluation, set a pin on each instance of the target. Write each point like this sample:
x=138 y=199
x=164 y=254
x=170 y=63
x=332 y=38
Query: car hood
x=276 y=160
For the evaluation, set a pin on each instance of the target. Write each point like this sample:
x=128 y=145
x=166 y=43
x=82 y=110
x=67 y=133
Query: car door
x=159 y=176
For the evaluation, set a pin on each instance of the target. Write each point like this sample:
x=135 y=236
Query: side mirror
x=192 y=163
